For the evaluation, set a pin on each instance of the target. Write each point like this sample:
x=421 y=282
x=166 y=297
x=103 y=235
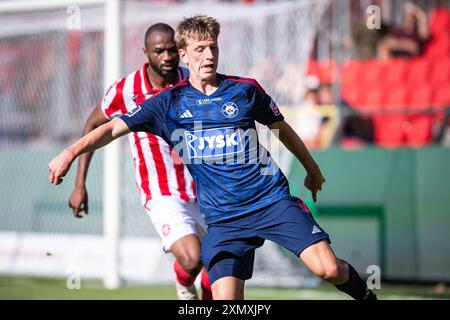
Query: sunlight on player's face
x=202 y=57
x=162 y=54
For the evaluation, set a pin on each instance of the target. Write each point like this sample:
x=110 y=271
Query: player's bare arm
x=94 y=140
x=314 y=178
x=78 y=200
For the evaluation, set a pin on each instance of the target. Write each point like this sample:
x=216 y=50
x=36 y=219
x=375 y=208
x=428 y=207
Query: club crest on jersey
x=230 y=110
x=213 y=142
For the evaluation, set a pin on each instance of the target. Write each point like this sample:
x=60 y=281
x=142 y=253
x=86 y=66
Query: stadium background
x=377 y=125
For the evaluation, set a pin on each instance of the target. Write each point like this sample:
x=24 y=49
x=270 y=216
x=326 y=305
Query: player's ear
x=183 y=56
x=144 y=50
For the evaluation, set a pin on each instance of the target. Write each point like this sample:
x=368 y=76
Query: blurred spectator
x=318 y=117
x=407 y=40
x=357 y=132
x=364 y=41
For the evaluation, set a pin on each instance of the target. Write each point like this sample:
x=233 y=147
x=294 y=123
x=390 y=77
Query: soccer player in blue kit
x=209 y=119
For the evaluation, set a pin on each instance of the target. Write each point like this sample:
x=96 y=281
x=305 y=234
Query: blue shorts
x=228 y=248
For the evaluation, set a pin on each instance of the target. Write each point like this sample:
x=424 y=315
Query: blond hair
x=199 y=27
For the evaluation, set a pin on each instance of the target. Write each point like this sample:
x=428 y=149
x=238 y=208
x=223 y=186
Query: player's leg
x=187 y=265
x=321 y=260
x=228 y=252
x=290 y=224
x=181 y=228
x=228 y=288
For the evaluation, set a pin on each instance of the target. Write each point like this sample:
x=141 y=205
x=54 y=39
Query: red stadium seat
x=421 y=130
x=439 y=21
x=373 y=99
x=441 y=72
x=313 y=68
x=374 y=72
x=390 y=130
x=419 y=98
x=441 y=97
x=352 y=93
x=438 y=48
x=396 y=72
x=397 y=98
x=419 y=71
x=352 y=72
x=327 y=71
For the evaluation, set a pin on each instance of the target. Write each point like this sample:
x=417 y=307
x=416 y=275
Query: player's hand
x=59 y=166
x=314 y=181
x=78 y=201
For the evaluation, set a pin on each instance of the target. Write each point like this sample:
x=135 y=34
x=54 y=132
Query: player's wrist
x=80 y=185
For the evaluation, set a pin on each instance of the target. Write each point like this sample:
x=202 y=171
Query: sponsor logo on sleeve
x=133 y=111
x=274 y=107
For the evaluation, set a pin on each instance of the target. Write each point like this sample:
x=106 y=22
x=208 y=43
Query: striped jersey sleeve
x=112 y=104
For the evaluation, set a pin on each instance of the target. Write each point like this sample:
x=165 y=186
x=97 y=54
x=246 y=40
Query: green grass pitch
x=15 y=287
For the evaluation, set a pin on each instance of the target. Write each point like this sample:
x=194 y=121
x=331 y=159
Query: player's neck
x=158 y=82
x=208 y=87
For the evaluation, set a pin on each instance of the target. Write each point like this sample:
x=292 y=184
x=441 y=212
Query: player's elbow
x=118 y=128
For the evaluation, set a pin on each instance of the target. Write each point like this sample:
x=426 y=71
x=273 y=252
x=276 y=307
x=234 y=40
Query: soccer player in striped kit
x=167 y=189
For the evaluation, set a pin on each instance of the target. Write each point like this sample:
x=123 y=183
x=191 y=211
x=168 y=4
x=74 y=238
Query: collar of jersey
x=220 y=77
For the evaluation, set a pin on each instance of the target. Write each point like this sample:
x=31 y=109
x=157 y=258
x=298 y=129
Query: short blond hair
x=199 y=27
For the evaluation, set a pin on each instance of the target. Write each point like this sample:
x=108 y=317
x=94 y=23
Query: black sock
x=355 y=286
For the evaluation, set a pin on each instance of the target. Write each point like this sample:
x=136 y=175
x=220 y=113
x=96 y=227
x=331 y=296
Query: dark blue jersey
x=215 y=135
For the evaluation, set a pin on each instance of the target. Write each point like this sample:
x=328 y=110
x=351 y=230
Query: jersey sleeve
x=148 y=116
x=265 y=109
x=112 y=104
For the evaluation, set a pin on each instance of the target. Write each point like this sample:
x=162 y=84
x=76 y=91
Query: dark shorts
x=228 y=248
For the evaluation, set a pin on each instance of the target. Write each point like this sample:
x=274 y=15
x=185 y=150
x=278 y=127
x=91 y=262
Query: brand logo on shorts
x=316 y=230
x=166 y=229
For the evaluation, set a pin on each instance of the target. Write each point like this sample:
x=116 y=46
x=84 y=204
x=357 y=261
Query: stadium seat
x=419 y=71
x=438 y=48
x=313 y=68
x=419 y=98
x=397 y=70
x=374 y=72
x=352 y=93
x=373 y=99
x=390 y=130
x=352 y=72
x=440 y=72
x=327 y=71
x=441 y=97
x=439 y=21
x=396 y=99
x=421 y=128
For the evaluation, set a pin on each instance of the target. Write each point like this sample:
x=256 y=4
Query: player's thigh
x=187 y=249
x=228 y=288
x=174 y=219
x=320 y=259
x=290 y=225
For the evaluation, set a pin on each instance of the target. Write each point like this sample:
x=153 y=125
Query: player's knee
x=330 y=272
x=190 y=262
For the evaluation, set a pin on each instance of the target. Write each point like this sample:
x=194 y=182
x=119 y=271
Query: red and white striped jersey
x=159 y=172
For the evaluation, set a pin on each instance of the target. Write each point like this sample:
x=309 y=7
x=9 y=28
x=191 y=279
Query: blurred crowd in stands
x=387 y=86
x=393 y=87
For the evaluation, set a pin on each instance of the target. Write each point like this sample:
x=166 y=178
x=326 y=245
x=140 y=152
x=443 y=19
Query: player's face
x=202 y=57
x=162 y=54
